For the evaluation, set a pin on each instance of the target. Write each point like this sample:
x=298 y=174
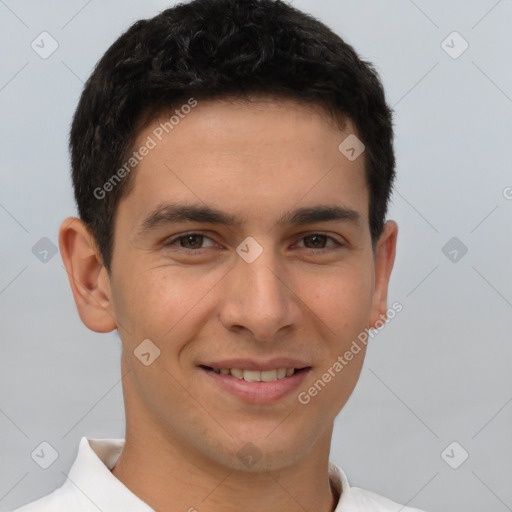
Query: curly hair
x=208 y=49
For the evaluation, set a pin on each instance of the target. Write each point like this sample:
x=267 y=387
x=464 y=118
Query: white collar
x=91 y=474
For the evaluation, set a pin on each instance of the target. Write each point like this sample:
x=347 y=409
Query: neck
x=167 y=476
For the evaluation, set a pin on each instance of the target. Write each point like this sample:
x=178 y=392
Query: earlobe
x=87 y=275
x=384 y=259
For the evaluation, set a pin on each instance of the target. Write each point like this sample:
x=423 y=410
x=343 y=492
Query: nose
x=259 y=298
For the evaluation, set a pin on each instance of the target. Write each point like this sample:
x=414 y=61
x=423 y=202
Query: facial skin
x=256 y=162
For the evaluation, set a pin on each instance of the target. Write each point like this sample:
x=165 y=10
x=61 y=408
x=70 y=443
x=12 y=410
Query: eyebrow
x=175 y=213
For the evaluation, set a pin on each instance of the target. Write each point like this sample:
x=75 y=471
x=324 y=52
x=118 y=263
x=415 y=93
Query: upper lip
x=255 y=365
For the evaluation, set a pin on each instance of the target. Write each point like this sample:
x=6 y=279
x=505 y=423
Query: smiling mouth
x=255 y=375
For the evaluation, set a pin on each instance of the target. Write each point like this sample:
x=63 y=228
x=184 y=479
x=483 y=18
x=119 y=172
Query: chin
x=265 y=452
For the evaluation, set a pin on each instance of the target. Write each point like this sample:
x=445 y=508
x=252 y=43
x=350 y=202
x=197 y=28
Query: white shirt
x=91 y=486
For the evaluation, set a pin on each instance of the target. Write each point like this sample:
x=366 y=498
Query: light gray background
x=438 y=373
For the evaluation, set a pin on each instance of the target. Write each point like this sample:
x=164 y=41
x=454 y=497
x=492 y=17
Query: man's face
x=212 y=300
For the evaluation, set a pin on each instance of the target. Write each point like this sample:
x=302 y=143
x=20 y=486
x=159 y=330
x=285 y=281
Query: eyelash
x=172 y=241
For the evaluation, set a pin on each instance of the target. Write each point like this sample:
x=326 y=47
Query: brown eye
x=317 y=241
x=193 y=241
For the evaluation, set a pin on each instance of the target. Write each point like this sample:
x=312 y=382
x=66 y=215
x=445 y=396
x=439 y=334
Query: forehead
x=263 y=154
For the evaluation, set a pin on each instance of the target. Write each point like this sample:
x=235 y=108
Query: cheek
x=343 y=300
x=140 y=302
x=159 y=303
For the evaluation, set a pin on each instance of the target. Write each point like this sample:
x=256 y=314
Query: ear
x=384 y=259
x=87 y=275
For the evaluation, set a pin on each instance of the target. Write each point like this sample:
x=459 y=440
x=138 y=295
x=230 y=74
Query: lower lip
x=259 y=392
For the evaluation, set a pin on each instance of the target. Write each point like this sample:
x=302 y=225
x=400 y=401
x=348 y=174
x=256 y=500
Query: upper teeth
x=257 y=376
